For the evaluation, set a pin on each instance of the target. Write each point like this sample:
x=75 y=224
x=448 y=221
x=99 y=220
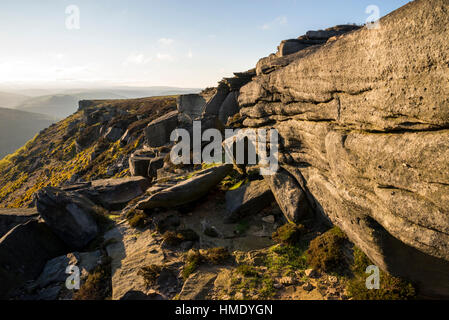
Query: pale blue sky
x=189 y=43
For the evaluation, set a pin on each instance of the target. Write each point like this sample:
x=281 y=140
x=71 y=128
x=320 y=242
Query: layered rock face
x=364 y=129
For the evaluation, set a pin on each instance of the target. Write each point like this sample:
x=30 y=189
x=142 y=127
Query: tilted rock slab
x=289 y=195
x=364 y=128
x=187 y=191
x=9 y=218
x=69 y=215
x=24 y=250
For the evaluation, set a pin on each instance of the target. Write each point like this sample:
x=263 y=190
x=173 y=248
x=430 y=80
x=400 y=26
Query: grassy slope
x=17 y=127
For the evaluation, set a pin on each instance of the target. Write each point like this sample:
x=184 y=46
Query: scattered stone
x=268 y=219
x=311 y=273
x=55 y=269
x=287 y=281
x=277 y=285
x=332 y=279
x=308 y=287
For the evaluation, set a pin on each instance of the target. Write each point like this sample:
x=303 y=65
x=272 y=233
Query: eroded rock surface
x=363 y=122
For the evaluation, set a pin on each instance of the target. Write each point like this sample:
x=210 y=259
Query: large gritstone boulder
x=289 y=195
x=139 y=161
x=229 y=107
x=187 y=191
x=191 y=106
x=23 y=253
x=367 y=139
x=158 y=132
x=69 y=215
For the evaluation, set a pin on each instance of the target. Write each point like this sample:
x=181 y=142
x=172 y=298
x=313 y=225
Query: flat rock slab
x=130 y=251
x=187 y=191
x=11 y=217
x=199 y=284
x=112 y=194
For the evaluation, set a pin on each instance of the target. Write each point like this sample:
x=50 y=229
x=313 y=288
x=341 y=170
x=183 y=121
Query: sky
x=183 y=43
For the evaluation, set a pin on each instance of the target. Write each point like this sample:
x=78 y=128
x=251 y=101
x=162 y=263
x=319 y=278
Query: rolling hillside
x=17 y=127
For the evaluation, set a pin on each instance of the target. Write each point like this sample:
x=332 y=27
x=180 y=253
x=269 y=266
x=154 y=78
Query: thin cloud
x=279 y=21
x=136 y=59
x=166 y=41
x=164 y=57
x=190 y=54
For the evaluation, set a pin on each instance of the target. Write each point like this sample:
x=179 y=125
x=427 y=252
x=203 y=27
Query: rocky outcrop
x=23 y=253
x=69 y=215
x=363 y=123
x=9 y=218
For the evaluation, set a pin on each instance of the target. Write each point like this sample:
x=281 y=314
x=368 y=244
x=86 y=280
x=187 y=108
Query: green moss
x=285 y=258
x=391 y=288
x=325 y=252
x=98 y=285
x=216 y=255
x=193 y=261
x=175 y=238
x=267 y=290
x=289 y=234
x=242 y=227
x=138 y=219
x=247 y=270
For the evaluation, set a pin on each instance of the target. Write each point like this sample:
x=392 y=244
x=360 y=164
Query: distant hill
x=65 y=103
x=60 y=105
x=17 y=127
x=9 y=100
